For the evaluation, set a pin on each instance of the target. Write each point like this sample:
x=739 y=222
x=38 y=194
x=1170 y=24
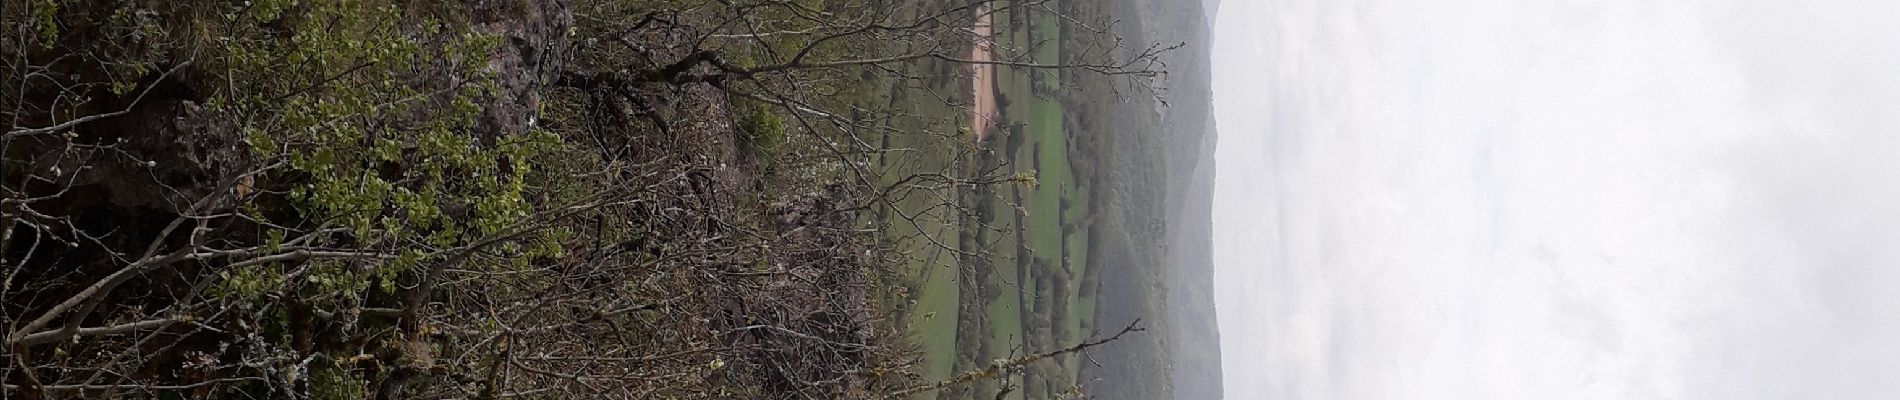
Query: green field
x=1054 y=253
x=920 y=225
x=1005 y=278
x=1001 y=270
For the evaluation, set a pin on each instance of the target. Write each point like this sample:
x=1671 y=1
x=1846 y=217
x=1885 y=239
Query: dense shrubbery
x=363 y=198
x=271 y=191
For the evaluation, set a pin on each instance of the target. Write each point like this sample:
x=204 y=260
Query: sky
x=1558 y=199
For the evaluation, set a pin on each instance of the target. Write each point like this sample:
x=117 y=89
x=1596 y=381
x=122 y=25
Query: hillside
x=1189 y=123
x=634 y=199
x=1168 y=284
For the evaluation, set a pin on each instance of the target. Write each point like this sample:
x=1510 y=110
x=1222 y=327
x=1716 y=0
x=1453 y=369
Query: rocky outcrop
x=533 y=37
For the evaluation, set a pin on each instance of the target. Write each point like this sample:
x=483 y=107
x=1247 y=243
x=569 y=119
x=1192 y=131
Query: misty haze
x=1557 y=199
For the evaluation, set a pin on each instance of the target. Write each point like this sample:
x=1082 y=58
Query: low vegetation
x=488 y=199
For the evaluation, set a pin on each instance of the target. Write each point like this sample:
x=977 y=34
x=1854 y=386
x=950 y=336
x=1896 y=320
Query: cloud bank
x=1620 y=199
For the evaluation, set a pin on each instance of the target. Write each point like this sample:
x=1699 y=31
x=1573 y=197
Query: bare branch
x=1003 y=365
x=56 y=335
x=22 y=132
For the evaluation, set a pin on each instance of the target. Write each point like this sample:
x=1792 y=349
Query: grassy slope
x=925 y=232
x=1049 y=209
x=1055 y=255
x=1005 y=313
x=1033 y=249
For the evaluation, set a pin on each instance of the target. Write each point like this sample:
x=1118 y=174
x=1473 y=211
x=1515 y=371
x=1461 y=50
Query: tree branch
x=21 y=132
x=59 y=334
x=1002 y=365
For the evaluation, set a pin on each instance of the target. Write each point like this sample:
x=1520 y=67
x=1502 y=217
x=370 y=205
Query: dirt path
x=982 y=77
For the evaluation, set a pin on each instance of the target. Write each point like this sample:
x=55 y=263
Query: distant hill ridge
x=1186 y=326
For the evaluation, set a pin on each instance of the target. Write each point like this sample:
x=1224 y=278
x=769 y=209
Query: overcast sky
x=1558 y=199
